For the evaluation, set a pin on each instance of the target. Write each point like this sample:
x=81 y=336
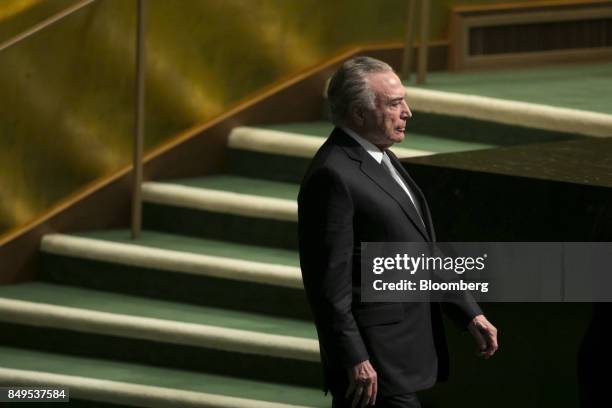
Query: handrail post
x=139 y=120
x=423 y=41
x=408 y=41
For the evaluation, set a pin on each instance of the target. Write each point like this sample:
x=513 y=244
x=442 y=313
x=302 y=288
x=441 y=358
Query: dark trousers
x=396 y=401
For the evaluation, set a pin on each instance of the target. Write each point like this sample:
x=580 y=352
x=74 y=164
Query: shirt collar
x=367 y=145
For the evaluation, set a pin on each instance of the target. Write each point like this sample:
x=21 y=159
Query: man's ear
x=358 y=115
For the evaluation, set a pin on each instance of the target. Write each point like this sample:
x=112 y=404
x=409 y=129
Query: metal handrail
x=408 y=41
x=139 y=122
x=44 y=24
x=423 y=41
x=139 y=95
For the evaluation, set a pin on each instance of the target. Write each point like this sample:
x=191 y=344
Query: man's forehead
x=386 y=84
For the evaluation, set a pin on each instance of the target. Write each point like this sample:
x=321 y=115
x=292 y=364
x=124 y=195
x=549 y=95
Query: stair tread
x=111 y=302
x=194 y=245
x=562 y=85
x=418 y=141
x=20 y=359
x=242 y=185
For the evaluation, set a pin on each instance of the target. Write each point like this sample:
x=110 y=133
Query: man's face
x=386 y=123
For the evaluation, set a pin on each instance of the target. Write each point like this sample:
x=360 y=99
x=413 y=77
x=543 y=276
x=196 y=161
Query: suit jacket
x=347 y=198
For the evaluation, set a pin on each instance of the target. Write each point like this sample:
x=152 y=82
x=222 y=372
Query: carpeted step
x=224 y=207
x=529 y=122
x=138 y=385
x=175 y=267
x=304 y=139
x=282 y=152
x=579 y=86
x=107 y=325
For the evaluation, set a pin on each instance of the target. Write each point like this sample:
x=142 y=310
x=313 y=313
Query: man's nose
x=406 y=113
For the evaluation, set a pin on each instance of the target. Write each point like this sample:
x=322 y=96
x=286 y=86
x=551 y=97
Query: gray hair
x=348 y=87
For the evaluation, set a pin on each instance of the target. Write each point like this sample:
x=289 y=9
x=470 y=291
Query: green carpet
x=201 y=246
x=419 y=141
x=243 y=185
x=159 y=377
x=145 y=307
x=577 y=86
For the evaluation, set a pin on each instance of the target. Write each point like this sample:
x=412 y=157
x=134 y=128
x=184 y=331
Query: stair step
x=267 y=140
x=44 y=304
x=282 y=152
x=228 y=194
x=73 y=320
x=442 y=122
x=417 y=140
x=224 y=207
x=145 y=386
x=555 y=85
x=243 y=185
x=181 y=254
x=190 y=269
x=511 y=112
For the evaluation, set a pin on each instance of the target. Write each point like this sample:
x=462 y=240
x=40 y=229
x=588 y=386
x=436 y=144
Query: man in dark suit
x=355 y=191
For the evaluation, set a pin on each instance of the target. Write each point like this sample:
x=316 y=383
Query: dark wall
x=549 y=192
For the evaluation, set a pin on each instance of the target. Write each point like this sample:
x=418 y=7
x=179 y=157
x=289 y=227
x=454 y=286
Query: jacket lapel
x=378 y=175
x=418 y=193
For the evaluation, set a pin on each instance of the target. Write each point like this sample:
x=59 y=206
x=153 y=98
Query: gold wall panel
x=66 y=93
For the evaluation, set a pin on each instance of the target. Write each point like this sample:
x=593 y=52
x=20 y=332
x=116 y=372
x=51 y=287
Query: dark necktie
x=388 y=166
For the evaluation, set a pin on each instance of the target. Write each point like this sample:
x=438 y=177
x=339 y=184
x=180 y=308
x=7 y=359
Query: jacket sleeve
x=325 y=224
x=460 y=307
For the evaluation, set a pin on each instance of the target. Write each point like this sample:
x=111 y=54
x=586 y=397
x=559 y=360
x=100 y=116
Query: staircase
x=207 y=308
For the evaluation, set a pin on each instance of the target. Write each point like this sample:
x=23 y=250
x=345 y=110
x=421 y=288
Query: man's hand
x=363 y=384
x=485 y=335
